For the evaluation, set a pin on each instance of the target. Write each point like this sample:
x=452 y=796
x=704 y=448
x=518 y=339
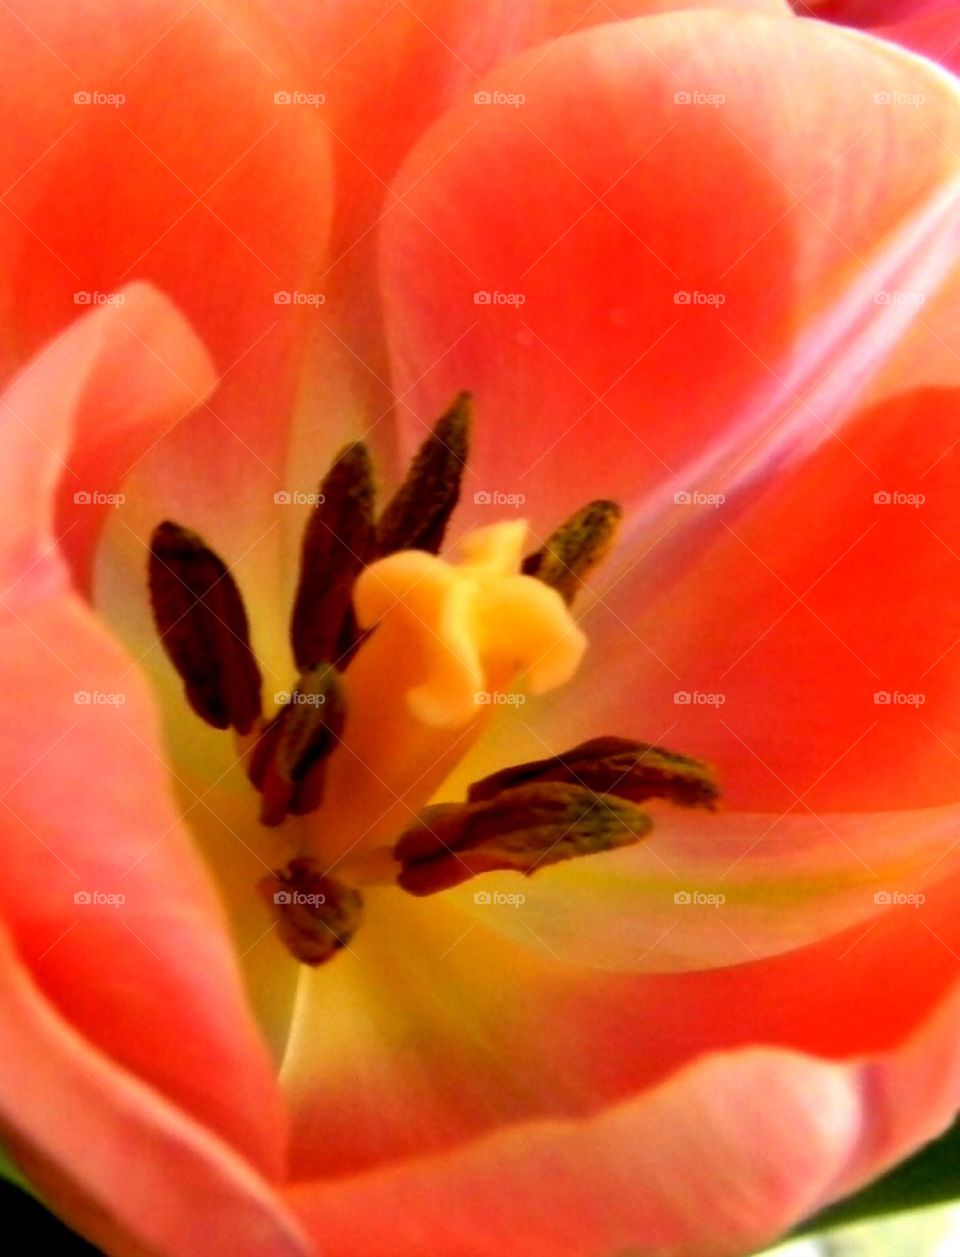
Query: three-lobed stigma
x=396 y=648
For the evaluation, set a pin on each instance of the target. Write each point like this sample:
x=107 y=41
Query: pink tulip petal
x=196 y=181
x=604 y=383
x=409 y=62
x=142 y=380
x=868 y=12
x=935 y=32
x=88 y=808
x=810 y=652
x=497 y=1031
x=686 y=1170
x=678 y=616
x=710 y=890
x=647 y=1171
x=118 y=1163
x=416 y=58
x=810 y=656
x=460 y=197
x=931 y=27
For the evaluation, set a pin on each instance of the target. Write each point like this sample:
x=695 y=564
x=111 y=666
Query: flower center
x=402 y=655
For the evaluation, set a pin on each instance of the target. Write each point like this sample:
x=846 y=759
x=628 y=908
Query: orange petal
x=197 y=181
x=110 y=907
x=669 y=1069
x=415 y=59
x=928 y=26
x=868 y=12
x=932 y=30
x=809 y=652
x=126 y=1169
x=708 y=890
x=374 y=60
x=589 y=236
x=684 y=1168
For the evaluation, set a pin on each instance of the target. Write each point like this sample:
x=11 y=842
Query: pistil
x=399 y=651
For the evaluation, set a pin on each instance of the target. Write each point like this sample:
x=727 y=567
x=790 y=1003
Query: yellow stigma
x=445 y=638
x=473 y=627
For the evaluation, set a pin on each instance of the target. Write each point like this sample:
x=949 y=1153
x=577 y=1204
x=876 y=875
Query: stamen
x=620 y=766
x=416 y=517
x=443 y=639
x=337 y=544
x=199 y=614
x=288 y=763
x=521 y=829
x=316 y=915
x=571 y=553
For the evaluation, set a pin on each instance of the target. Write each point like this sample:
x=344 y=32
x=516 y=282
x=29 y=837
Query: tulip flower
x=930 y=27
x=480 y=575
